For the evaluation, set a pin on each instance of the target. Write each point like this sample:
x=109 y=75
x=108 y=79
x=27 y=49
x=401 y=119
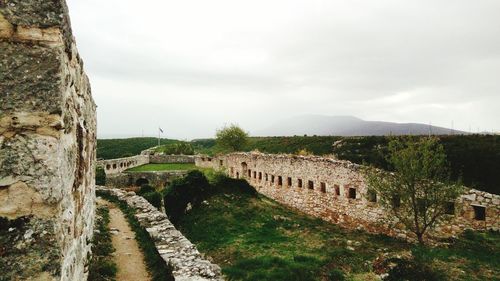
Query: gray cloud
x=191 y=66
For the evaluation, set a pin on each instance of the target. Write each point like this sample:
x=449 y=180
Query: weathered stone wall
x=118 y=165
x=47 y=144
x=336 y=191
x=153 y=178
x=187 y=263
x=160 y=159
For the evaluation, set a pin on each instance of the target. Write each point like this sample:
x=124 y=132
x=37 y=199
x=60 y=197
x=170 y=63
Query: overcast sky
x=192 y=66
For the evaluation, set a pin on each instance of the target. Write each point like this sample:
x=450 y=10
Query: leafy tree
x=231 y=138
x=419 y=191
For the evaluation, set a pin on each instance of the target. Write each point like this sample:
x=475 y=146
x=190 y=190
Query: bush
x=414 y=270
x=336 y=275
x=193 y=188
x=181 y=148
x=226 y=184
x=154 y=198
x=100 y=176
x=145 y=189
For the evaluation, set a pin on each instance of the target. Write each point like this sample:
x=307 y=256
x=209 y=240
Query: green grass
x=102 y=265
x=163 y=167
x=254 y=238
x=156 y=266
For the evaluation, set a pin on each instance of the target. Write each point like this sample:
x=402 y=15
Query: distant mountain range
x=347 y=126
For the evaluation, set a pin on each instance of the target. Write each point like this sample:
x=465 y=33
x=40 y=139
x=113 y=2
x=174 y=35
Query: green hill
x=117 y=148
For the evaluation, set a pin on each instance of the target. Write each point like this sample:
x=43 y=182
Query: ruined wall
x=153 y=178
x=336 y=191
x=47 y=145
x=118 y=165
x=160 y=159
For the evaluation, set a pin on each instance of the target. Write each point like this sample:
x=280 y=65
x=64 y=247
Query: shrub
x=145 y=189
x=154 y=198
x=336 y=275
x=100 y=176
x=226 y=184
x=414 y=270
x=193 y=188
x=181 y=148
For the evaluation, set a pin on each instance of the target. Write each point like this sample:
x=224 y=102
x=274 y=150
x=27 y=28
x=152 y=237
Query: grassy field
x=163 y=167
x=254 y=238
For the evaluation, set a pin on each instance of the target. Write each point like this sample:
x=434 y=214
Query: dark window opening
x=272 y=179
x=479 y=213
x=299 y=182
x=323 y=187
x=254 y=175
x=108 y=167
x=237 y=175
x=209 y=159
x=221 y=163
x=249 y=173
x=337 y=189
x=260 y=175
x=310 y=184
x=267 y=177
x=449 y=208
x=352 y=193
x=280 y=180
x=372 y=195
x=114 y=166
x=289 y=181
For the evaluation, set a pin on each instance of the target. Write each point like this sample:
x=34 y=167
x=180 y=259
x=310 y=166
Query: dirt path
x=128 y=256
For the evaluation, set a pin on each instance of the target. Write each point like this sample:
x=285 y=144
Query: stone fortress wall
x=336 y=191
x=47 y=145
x=118 y=165
x=153 y=178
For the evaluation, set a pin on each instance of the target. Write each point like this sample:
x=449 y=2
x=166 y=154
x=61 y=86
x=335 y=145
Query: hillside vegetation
x=117 y=148
x=474 y=159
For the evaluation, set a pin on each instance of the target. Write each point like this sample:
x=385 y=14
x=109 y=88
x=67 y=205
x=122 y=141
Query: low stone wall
x=336 y=191
x=118 y=165
x=154 y=178
x=174 y=248
x=47 y=145
x=160 y=159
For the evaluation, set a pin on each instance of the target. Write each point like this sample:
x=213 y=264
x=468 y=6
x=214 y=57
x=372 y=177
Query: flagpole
x=158 y=136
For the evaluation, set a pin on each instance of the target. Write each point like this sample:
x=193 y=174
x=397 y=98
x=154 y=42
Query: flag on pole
x=160 y=129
